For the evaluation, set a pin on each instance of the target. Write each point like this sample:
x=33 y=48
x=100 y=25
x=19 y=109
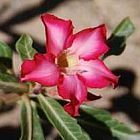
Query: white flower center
x=67 y=60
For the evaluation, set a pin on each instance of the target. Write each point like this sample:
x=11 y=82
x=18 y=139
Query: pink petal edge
x=89 y=43
x=40 y=70
x=57 y=32
x=95 y=74
x=70 y=87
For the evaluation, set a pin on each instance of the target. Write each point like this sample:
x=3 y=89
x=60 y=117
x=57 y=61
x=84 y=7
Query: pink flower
x=71 y=62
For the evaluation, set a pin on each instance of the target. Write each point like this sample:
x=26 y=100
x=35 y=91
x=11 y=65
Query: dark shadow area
x=6 y=62
x=116 y=44
x=58 y=138
x=9 y=133
x=97 y=130
x=46 y=125
x=127 y=103
x=15 y=36
x=31 y=12
x=13 y=133
x=25 y=16
x=6 y=108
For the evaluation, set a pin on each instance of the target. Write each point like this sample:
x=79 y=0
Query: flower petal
x=90 y=43
x=70 y=87
x=40 y=70
x=96 y=75
x=57 y=33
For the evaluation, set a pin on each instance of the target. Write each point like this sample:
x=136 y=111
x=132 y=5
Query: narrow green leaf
x=117 y=40
x=30 y=122
x=5 y=50
x=101 y=122
x=26 y=119
x=66 y=125
x=24 y=47
x=8 y=83
x=37 y=130
x=125 y=28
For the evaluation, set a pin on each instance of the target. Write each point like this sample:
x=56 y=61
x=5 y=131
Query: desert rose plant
x=71 y=61
x=56 y=82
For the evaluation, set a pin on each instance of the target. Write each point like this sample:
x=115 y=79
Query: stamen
x=67 y=60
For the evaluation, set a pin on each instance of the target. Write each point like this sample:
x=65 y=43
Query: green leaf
x=125 y=28
x=66 y=125
x=24 y=47
x=117 y=40
x=26 y=119
x=30 y=121
x=104 y=126
x=5 y=50
x=9 y=83
x=37 y=130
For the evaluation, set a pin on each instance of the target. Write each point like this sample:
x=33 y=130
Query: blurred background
x=22 y=16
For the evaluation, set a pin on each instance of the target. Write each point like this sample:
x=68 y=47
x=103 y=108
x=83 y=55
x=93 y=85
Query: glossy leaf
x=64 y=123
x=8 y=83
x=24 y=47
x=104 y=125
x=117 y=40
x=5 y=50
x=37 y=130
x=26 y=119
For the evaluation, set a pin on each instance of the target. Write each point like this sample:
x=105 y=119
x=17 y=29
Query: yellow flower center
x=67 y=60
